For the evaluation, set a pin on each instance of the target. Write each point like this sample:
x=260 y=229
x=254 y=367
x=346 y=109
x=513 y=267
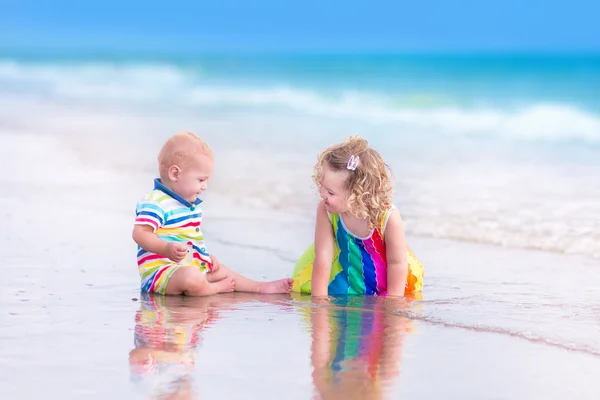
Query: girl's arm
x=324 y=246
x=397 y=257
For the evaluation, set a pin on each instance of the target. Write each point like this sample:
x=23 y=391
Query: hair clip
x=353 y=162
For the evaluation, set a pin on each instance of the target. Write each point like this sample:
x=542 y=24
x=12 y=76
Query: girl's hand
x=321 y=300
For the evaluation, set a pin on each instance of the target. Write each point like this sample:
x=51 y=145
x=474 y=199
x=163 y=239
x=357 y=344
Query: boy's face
x=333 y=190
x=191 y=178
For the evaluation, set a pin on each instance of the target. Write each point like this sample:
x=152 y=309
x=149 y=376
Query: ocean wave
x=156 y=84
x=446 y=189
x=567 y=240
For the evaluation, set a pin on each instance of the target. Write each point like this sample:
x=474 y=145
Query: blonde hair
x=179 y=149
x=369 y=185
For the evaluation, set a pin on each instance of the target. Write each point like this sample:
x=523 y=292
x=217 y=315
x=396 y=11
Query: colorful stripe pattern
x=156 y=327
x=172 y=219
x=359 y=265
x=357 y=333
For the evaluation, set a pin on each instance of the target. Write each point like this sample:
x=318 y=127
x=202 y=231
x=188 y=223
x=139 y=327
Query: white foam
x=172 y=86
x=444 y=191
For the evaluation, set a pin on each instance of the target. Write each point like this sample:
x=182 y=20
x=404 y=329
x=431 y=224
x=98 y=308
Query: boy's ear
x=174 y=172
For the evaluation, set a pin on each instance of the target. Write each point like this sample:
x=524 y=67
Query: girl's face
x=333 y=190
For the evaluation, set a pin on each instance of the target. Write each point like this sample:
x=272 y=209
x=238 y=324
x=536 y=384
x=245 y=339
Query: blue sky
x=376 y=25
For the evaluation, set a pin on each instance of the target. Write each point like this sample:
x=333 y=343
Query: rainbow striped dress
x=359 y=264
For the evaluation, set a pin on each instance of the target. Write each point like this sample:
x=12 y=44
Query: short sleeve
x=149 y=212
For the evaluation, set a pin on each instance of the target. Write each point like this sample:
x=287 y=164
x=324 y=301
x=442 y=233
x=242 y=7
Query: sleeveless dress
x=359 y=265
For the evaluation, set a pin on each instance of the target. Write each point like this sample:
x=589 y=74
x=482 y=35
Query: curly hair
x=369 y=185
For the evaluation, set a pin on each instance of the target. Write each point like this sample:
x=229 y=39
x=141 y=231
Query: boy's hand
x=215 y=264
x=175 y=251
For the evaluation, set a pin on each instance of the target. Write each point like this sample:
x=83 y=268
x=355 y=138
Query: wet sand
x=97 y=342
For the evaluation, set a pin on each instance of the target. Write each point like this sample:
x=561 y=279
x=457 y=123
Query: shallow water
x=276 y=346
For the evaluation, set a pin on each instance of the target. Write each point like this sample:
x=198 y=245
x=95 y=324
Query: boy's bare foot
x=279 y=286
x=225 y=285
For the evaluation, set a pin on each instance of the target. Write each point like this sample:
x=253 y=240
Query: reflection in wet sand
x=355 y=351
x=356 y=346
x=168 y=334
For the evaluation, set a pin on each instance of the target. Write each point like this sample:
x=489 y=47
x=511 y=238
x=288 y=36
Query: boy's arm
x=215 y=263
x=324 y=245
x=397 y=257
x=149 y=217
x=144 y=236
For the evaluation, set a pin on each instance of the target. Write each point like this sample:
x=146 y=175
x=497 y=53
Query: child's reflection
x=356 y=346
x=167 y=333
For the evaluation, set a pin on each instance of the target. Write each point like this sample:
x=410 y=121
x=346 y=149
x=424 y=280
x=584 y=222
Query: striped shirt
x=172 y=219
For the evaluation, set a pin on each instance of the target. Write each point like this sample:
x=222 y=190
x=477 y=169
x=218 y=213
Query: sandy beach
x=73 y=323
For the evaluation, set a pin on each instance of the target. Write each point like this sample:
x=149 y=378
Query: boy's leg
x=192 y=282
x=243 y=284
